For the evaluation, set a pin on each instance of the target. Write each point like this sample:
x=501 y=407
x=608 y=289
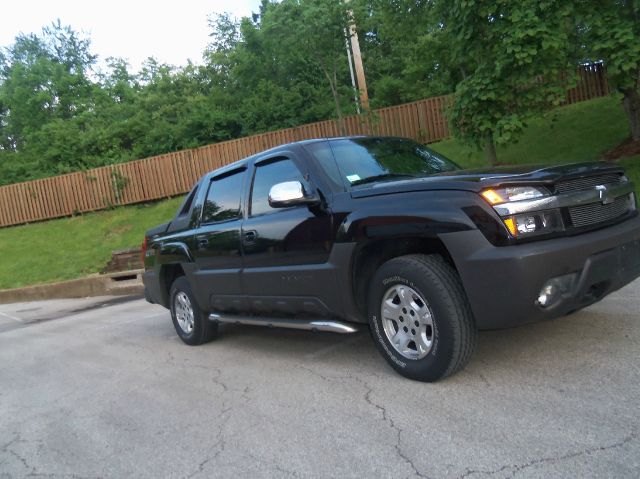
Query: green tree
x=513 y=58
x=260 y=77
x=403 y=53
x=312 y=33
x=609 y=30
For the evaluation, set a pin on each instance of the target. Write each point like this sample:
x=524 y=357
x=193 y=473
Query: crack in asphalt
x=17 y=439
x=273 y=465
x=7 y=449
x=216 y=378
x=392 y=424
x=520 y=467
x=219 y=446
x=385 y=417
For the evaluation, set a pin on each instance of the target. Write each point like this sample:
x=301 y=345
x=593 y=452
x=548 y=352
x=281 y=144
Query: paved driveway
x=104 y=388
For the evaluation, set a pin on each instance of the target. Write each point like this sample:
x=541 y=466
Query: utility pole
x=353 y=77
x=357 y=61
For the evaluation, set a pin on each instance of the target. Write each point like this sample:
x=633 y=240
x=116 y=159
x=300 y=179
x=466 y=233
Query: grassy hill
x=68 y=248
x=71 y=247
x=580 y=132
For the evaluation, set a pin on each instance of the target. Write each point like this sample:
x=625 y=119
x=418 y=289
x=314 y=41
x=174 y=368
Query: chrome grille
x=595 y=213
x=588 y=182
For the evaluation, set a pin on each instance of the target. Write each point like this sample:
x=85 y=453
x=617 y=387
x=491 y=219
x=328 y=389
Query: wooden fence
x=174 y=173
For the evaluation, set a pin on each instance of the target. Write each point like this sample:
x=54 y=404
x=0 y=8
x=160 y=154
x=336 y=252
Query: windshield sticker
x=353 y=178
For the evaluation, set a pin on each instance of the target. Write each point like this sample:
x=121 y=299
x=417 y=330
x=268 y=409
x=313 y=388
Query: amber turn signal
x=510 y=223
x=492 y=197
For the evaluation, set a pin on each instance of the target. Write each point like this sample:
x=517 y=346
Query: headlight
x=523 y=224
x=512 y=193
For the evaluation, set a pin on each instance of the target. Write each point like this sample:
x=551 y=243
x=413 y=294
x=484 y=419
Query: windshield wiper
x=384 y=176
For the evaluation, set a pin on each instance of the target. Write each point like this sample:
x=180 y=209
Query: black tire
x=203 y=330
x=453 y=332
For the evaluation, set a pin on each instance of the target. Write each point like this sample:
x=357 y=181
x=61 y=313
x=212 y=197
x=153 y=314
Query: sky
x=170 y=31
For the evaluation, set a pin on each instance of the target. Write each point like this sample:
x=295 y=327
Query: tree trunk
x=631 y=103
x=490 y=150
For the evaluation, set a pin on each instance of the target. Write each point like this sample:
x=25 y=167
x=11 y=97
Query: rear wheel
x=420 y=317
x=191 y=323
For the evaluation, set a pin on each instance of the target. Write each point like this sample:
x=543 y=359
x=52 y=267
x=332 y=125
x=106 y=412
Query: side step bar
x=307 y=324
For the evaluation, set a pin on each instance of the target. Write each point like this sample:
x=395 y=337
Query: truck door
x=285 y=249
x=217 y=251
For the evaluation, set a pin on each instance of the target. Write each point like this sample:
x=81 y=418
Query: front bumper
x=503 y=282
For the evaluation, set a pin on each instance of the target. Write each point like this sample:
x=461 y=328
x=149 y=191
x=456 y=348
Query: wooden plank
x=84 y=187
x=58 y=193
x=73 y=182
x=4 y=206
x=18 y=204
x=106 y=197
x=52 y=198
x=18 y=216
x=132 y=190
x=12 y=210
x=43 y=205
x=63 y=194
x=72 y=192
x=4 y=217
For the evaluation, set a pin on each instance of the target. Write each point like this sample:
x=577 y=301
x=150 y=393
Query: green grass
x=72 y=247
x=69 y=248
x=579 y=132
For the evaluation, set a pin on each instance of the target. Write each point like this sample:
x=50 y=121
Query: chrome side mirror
x=290 y=193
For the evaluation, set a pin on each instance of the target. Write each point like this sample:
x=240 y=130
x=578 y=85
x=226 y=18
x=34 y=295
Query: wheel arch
x=369 y=256
x=168 y=274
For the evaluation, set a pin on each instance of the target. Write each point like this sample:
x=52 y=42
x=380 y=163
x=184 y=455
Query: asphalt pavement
x=103 y=387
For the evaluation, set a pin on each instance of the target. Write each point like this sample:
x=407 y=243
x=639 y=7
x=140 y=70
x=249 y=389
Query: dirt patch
x=624 y=150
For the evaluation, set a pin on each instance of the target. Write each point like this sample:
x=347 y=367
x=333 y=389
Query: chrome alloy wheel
x=407 y=321
x=184 y=311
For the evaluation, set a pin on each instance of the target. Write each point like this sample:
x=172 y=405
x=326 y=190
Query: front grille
x=594 y=213
x=588 y=182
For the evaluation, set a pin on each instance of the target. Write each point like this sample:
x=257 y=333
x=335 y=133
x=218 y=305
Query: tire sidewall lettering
x=382 y=342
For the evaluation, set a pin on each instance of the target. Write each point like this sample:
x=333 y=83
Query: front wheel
x=191 y=323
x=420 y=317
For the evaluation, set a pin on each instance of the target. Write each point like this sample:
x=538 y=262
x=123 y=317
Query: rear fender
x=174 y=252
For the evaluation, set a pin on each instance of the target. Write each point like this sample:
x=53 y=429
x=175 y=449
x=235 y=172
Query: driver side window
x=267 y=175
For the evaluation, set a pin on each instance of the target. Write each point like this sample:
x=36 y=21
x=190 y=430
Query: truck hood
x=480 y=178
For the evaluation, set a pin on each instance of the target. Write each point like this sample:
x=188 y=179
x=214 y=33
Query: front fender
x=416 y=214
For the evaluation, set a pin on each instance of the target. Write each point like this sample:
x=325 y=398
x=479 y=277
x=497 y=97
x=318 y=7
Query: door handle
x=250 y=236
x=203 y=243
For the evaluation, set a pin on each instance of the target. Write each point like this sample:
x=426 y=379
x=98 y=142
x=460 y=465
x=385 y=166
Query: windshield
x=367 y=160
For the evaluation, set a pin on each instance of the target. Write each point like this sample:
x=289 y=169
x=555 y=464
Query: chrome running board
x=306 y=324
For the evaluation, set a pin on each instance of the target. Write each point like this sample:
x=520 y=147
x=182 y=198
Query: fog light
x=548 y=295
x=553 y=290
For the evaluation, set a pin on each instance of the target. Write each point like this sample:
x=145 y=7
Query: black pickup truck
x=333 y=234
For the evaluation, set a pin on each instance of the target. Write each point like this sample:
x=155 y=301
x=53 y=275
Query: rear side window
x=223 y=198
x=186 y=207
x=268 y=175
